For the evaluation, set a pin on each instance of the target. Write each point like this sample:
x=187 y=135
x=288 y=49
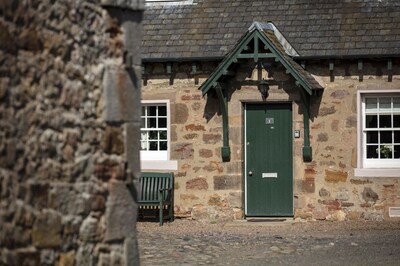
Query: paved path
x=241 y=243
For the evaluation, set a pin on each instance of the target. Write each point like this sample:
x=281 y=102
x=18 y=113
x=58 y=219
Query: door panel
x=269 y=160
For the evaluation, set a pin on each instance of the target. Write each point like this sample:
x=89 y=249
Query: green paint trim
x=231 y=58
x=307 y=149
x=223 y=104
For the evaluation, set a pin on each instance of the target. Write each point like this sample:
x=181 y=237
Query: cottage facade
x=274 y=108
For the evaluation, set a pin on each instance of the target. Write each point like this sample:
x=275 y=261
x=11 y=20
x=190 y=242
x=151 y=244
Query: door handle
x=250 y=173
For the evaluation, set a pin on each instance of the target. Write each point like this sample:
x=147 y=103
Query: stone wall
x=61 y=164
x=208 y=189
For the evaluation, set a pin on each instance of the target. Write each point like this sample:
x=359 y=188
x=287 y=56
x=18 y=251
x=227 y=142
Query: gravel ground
x=187 y=242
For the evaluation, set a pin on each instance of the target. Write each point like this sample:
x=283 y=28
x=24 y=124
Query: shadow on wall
x=275 y=74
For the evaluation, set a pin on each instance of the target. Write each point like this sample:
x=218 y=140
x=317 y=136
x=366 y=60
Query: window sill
x=159 y=165
x=377 y=172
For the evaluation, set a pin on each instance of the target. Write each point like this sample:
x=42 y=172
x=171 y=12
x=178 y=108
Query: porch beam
x=251 y=56
x=223 y=104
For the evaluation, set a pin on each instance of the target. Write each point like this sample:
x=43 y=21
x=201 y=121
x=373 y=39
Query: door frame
x=244 y=105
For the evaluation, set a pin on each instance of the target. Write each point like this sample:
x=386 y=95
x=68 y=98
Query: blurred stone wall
x=59 y=160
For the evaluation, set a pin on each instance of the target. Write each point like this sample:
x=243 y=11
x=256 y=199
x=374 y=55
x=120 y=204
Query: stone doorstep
x=262 y=221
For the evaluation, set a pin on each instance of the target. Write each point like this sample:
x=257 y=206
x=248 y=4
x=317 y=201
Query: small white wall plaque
x=269 y=175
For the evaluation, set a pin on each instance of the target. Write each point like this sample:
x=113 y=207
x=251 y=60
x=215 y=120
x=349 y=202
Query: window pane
x=396 y=104
x=397 y=151
x=385 y=104
x=143 y=110
x=153 y=135
x=151 y=122
x=162 y=110
x=163 y=146
x=153 y=146
x=143 y=145
x=371 y=105
x=144 y=135
x=385 y=121
x=371 y=121
x=372 y=137
x=386 y=151
x=152 y=110
x=143 y=123
x=397 y=137
x=372 y=151
x=163 y=134
x=162 y=122
x=386 y=137
x=396 y=120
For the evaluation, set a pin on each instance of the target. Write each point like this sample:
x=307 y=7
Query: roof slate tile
x=313 y=29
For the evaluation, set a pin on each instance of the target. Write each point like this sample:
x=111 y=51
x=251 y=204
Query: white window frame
x=372 y=167
x=159 y=160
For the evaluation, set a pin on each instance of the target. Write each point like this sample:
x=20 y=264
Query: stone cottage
x=274 y=108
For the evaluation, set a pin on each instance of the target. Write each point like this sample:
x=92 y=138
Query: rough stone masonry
x=65 y=76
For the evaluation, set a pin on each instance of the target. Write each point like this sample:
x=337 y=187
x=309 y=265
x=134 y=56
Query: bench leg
x=161 y=214
x=171 y=213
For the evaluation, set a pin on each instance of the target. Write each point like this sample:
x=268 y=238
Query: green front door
x=269 y=159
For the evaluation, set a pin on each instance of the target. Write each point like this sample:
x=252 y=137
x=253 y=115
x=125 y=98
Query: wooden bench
x=157 y=190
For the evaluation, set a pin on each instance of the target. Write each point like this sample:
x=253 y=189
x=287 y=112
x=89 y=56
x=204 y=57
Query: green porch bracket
x=223 y=104
x=307 y=149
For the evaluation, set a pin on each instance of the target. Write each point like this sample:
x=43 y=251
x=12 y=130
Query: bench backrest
x=151 y=183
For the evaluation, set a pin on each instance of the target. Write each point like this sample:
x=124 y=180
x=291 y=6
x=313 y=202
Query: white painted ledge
x=159 y=165
x=378 y=172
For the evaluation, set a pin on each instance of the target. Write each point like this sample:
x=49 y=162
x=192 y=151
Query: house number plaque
x=269 y=121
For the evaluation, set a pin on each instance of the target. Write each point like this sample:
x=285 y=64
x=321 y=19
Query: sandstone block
x=324 y=111
x=67 y=259
x=369 y=195
x=181 y=113
x=332 y=205
x=235 y=199
x=195 y=127
x=354 y=215
x=323 y=193
x=339 y=216
x=320 y=212
x=198 y=183
x=212 y=138
x=308 y=185
x=216 y=200
x=85 y=256
x=322 y=137
x=46 y=232
x=343 y=195
x=182 y=151
x=205 y=153
x=113 y=141
x=335 y=176
x=227 y=182
x=89 y=230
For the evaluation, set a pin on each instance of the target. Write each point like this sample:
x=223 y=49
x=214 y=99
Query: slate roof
x=315 y=28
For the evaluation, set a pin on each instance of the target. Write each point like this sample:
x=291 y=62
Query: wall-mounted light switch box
x=297 y=134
